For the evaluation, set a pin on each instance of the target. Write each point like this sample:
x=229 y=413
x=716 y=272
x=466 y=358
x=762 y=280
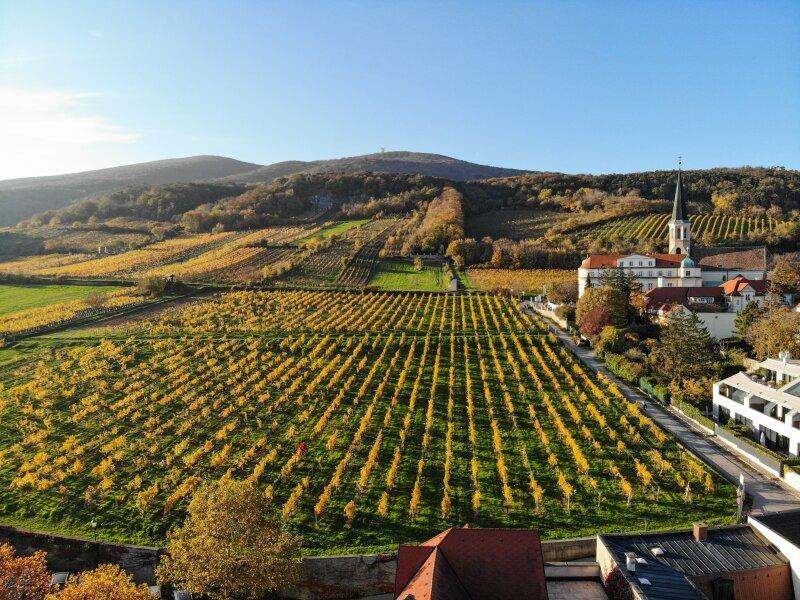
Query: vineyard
x=654 y=227
x=519 y=280
x=367 y=419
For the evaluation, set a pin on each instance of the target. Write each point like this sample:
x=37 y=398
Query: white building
x=684 y=265
x=766 y=401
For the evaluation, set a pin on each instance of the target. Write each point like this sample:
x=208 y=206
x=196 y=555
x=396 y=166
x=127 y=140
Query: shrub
x=623 y=368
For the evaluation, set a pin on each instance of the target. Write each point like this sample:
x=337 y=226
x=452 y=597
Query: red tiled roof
x=600 y=261
x=739 y=283
x=486 y=564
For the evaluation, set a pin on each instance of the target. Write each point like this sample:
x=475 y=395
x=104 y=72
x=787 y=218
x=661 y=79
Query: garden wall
x=323 y=577
x=74 y=554
x=771 y=464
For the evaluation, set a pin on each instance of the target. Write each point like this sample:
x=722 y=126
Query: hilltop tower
x=679 y=226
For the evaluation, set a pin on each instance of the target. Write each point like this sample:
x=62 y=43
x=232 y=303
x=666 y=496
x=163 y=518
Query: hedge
x=622 y=367
x=657 y=390
x=690 y=410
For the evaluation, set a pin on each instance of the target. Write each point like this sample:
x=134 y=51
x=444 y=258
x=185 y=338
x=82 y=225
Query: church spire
x=680 y=212
x=679 y=227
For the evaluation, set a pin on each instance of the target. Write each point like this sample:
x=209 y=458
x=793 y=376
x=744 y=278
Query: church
x=685 y=265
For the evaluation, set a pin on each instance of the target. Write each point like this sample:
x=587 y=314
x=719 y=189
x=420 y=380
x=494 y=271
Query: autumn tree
x=231 y=546
x=685 y=349
x=23 y=578
x=103 y=583
x=746 y=317
x=775 y=331
x=564 y=293
x=594 y=322
x=611 y=300
x=785 y=275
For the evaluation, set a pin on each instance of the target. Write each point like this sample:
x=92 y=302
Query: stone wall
x=352 y=576
x=323 y=577
x=74 y=554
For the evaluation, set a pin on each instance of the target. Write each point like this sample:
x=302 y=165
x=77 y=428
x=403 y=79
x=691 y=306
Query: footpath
x=769 y=493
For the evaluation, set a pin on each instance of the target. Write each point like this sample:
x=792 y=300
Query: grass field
x=332 y=229
x=15 y=298
x=424 y=410
x=401 y=275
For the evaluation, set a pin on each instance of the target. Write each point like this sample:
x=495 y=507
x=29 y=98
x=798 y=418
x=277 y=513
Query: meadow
x=14 y=298
x=367 y=418
x=25 y=308
x=401 y=275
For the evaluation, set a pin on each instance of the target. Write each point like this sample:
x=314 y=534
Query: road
x=769 y=493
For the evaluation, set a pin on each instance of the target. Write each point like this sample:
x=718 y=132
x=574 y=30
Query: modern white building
x=685 y=265
x=767 y=401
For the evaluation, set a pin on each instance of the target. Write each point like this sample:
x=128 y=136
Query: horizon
x=388 y=151
x=588 y=88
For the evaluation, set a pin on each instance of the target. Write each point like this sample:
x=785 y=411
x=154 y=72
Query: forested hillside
x=22 y=198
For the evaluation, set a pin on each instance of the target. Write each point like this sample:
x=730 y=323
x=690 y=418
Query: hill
x=413 y=163
x=22 y=198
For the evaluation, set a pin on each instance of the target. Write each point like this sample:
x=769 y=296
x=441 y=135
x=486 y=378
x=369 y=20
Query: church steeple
x=679 y=226
x=679 y=210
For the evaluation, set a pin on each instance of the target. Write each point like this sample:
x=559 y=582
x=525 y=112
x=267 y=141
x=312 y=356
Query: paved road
x=769 y=493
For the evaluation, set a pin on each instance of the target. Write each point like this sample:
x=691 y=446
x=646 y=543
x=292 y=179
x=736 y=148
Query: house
x=470 y=563
x=716 y=306
x=684 y=265
x=782 y=530
x=766 y=402
x=719 y=563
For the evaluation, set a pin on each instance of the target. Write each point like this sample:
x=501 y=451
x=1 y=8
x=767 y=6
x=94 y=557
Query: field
x=332 y=229
x=415 y=411
x=401 y=275
x=24 y=308
x=519 y=280
x=14 y=298
x=654 y=227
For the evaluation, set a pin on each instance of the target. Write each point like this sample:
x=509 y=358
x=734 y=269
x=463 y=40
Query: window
x=640 y=263
x=661 y=273
x=649 y=273
x=688 y=274
x=722 y=589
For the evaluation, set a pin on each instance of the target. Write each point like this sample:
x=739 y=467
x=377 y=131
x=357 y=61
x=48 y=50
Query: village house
x=766 y=402
x=684 y=265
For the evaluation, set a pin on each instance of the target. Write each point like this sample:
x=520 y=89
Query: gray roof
x=730 y=548
x=786 y=524
x=680 y=212
x=731 y=258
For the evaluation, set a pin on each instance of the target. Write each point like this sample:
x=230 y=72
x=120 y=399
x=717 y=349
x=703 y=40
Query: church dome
x=687 y=263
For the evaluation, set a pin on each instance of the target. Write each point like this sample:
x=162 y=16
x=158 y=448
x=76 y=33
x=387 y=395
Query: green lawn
x=334 y=229
x=21 y=297
x=401 y=275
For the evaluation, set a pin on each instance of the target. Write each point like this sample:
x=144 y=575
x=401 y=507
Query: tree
x=231 y=546
x=463 y=252
x=612 y=300
x=152 y=286
x=564 y=293
x=418 y=264
x=103 y=583
x=684 y=350
x=746 y=317
x=612 y=339
x=23 y=578
x=621 y=280
x=775 y=331
x=785 y=275
x=594 y=322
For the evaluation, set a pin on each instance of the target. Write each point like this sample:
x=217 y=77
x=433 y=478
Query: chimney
x=700 y=532
x=630 y=561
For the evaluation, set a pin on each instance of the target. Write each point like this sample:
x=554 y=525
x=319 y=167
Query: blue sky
x=567 y=86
